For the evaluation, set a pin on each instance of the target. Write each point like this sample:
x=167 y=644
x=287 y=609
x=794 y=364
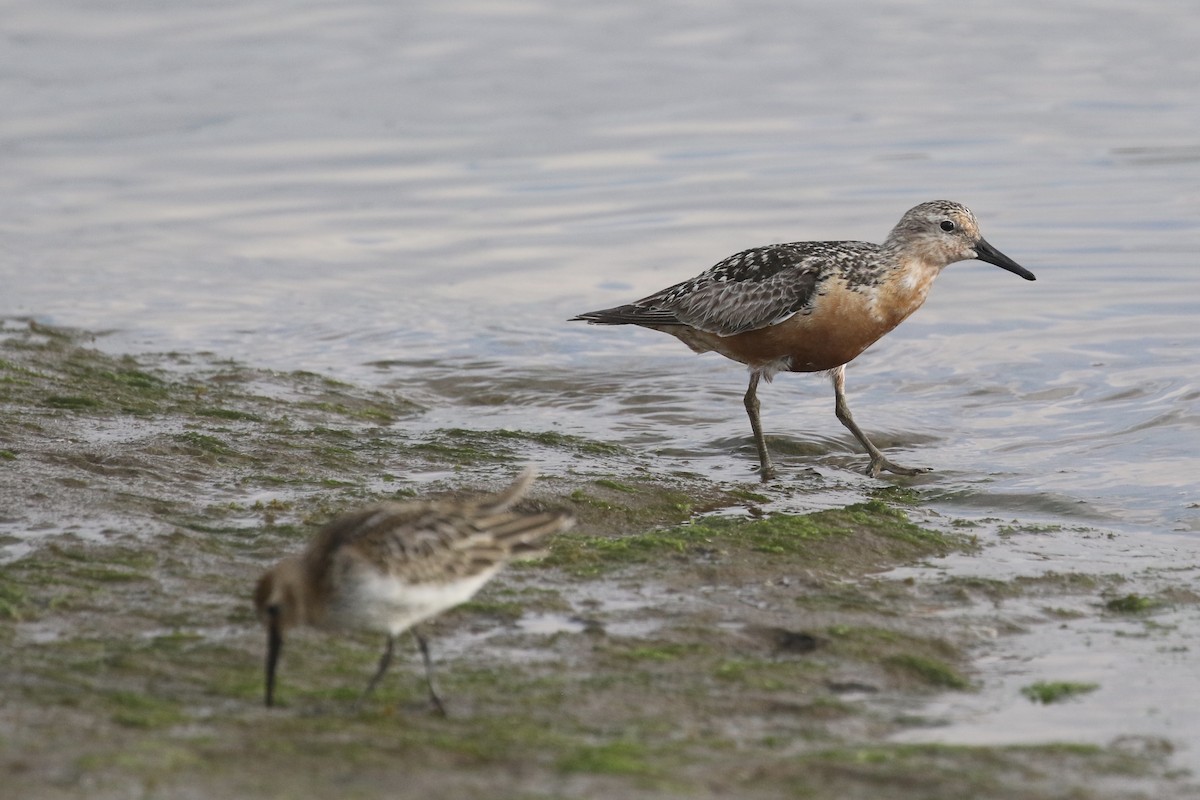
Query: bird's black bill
x=274 y=645
x=985 y=252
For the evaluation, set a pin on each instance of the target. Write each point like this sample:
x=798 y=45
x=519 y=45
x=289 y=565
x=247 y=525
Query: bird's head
x=941 y=232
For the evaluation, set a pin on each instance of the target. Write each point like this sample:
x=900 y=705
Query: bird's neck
x=905 y=288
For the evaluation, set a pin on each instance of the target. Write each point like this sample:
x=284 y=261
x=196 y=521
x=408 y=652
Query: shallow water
x=1141 y=664
x=418 y=195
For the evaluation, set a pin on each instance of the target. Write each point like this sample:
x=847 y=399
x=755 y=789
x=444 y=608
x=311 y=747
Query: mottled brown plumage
x=813 y=306
x=390 y=566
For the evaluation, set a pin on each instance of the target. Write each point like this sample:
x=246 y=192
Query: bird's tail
x=631 y=314
x=521 y=533
x=504 y=500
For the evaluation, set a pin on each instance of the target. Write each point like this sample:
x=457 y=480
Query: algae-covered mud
x=685 y=640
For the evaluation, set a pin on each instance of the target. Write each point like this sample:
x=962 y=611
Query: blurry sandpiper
x=813 y=306
x=388 y=567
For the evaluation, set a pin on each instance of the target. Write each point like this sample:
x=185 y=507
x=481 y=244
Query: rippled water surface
x=417 y=195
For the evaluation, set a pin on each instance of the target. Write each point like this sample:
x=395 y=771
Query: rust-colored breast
x=842 y=323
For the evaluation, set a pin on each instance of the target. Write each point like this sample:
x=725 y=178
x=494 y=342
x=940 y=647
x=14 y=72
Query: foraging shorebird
x=390 y=566
x=813 y=306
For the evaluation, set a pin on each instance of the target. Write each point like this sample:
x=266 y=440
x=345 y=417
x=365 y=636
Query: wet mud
x=685 y=640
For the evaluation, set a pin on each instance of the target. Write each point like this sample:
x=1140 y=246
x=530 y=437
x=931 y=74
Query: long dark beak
x=274 y=645
x=985 y=252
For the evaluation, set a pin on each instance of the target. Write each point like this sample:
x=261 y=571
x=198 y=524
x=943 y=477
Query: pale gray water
x=419 y=194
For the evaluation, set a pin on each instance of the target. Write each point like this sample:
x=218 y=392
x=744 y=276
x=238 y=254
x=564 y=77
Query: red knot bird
x=390 y=566
x=813 y=306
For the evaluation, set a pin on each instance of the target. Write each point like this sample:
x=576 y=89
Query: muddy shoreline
x=682 y=641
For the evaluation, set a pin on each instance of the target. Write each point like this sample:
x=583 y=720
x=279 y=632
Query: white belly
x=373 y=601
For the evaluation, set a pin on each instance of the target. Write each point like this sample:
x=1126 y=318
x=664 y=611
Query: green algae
x=140 y=710
x=951 y=772
x=71 y=402
x=764 y=674
x=616 y=486
x=1131 y=604
x=1047 y=692
x=964 y=588
x=559 y=441
x=197 y=443
x=510 y=610
x=911 y=659
x=461 y=446
x=931 y=671
x=13 y=598
x=150 y=642
x=610 y=758
x=666 y=651
x=230 y=414
x=872 y=533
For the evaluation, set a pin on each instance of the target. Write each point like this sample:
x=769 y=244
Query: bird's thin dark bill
x=274 y=645
x=985 y=252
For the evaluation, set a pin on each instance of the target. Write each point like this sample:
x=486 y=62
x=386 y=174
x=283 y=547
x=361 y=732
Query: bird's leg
x=384 y=661
x=434 y=699
x=842 y=409
x=766 y=468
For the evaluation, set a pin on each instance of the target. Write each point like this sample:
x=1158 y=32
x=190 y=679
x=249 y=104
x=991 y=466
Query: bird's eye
x=947 y=225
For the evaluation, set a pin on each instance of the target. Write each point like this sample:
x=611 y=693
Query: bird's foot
x=768 y=472
x=880 y=464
